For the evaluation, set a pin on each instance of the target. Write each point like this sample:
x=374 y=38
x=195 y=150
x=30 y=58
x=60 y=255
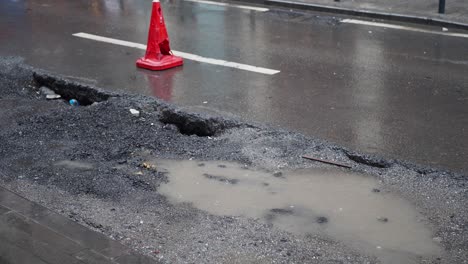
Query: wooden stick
x=328 y=162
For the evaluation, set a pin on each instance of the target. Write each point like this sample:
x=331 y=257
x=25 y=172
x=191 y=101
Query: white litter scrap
x=45 y=90
x=53 y=96
x=444 y=29
x=50 y=94
x=135 y=112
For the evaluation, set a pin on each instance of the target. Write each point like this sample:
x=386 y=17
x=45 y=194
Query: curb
x=360 y=12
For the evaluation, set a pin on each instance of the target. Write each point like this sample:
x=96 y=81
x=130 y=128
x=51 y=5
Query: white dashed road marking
x=385 y=25
x=259 y=9
x=184 y=55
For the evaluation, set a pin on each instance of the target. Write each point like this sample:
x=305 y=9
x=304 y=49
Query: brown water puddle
x=344 y=206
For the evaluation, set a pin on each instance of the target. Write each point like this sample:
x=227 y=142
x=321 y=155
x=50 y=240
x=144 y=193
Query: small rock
x=148 y=166
x=376 y=190
x=201 y=164
x=322 y=219
x=382 y=219
x=221 y=166
x=135 y=112
x=277 y=174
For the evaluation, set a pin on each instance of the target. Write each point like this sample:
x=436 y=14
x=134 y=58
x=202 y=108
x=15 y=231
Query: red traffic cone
x=158 y=53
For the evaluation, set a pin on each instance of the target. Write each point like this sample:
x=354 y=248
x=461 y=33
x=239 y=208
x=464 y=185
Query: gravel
x=115 y=195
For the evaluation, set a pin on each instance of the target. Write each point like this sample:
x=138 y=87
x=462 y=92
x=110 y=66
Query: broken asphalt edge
x=425 y=20
x=187 y=123
x=190 y=123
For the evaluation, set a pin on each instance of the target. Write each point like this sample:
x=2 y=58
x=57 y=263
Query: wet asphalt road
x=398 y=93
x=88 y=163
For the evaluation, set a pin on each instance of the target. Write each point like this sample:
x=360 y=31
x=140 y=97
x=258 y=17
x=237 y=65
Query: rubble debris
x=148 y=166
x=135 y=112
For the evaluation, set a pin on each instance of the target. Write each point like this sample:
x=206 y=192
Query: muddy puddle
x=329 y=202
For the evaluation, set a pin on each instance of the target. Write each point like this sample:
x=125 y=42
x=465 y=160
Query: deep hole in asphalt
x=70 y=90
x=191 y=124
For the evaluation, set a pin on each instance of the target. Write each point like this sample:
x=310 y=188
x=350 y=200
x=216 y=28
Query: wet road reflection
x=161 y=84
x=401 y=94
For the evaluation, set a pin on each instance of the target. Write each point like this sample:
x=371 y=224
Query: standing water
x=345 y=206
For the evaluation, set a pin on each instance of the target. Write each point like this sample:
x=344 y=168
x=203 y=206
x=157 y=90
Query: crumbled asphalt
x=118 y=196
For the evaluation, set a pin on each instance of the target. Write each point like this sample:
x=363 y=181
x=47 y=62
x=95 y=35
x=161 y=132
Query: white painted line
x=259 y=9
x=111 y=40
x=184 y=55
x=385 y=25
